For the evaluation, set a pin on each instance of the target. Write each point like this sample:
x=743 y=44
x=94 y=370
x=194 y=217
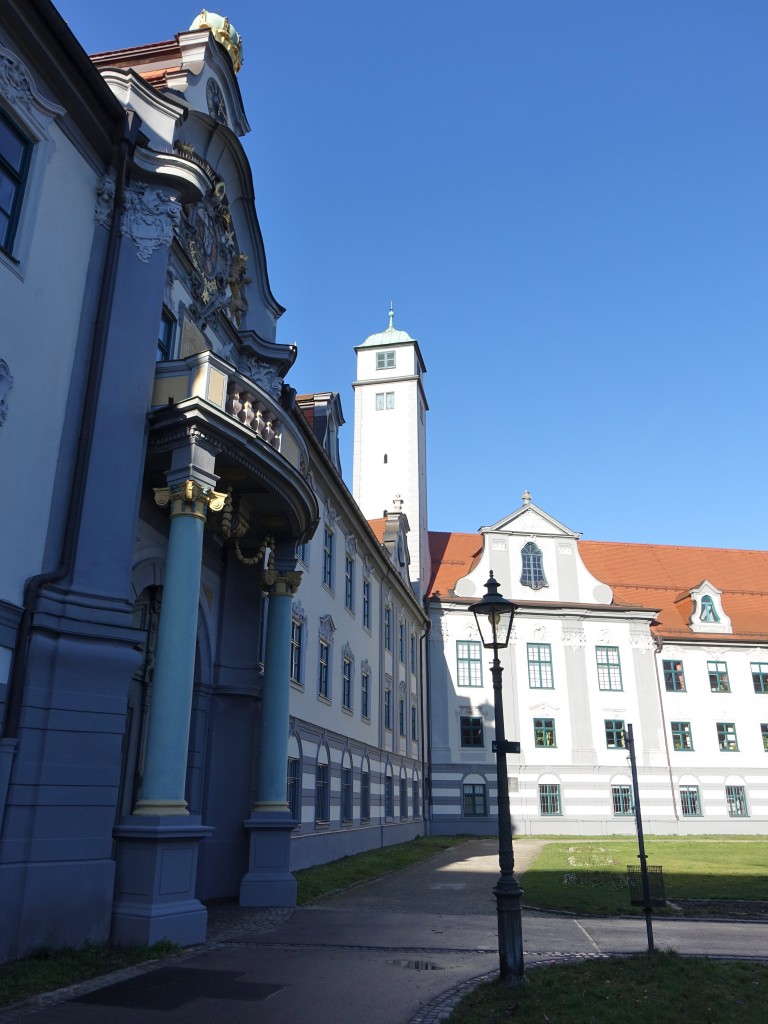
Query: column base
x=269 y=882
x=155 y=885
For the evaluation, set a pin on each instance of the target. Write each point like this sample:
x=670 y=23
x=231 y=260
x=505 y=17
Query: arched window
x=533 y=568
x=708 y=613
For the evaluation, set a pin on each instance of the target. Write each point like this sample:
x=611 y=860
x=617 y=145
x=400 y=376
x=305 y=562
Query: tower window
x=385 y=360
x=385 y=400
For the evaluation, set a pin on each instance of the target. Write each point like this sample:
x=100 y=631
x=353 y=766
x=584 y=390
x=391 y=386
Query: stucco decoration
x=298 y=612
x=105 y=197
x=19 y=89
x=326 y=628
x=331 y=515
x=262 y=374
x=350 y=545
x=208 y=236
x=6 y=383
x=643 y=643
x=574 y=640
x=149 y=219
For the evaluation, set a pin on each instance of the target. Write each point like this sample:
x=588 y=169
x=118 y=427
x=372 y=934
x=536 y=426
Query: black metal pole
x=640 y=841
x=507 y=891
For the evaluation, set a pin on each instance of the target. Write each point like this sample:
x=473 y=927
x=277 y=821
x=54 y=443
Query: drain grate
x=417 y=965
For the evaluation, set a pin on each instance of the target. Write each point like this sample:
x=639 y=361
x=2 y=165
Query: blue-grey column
x=165 y=764
x=273 y=734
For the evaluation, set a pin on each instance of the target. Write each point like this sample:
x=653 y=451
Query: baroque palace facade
x=218 y=665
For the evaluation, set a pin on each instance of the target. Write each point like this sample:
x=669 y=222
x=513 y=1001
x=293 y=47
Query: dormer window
x=533 y=568
x=708 y=613
x=385 y=360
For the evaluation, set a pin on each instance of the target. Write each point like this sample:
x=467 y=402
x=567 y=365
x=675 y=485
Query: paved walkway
x=395 y=951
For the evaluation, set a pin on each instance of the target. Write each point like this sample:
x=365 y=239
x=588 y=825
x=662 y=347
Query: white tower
x=390 y=457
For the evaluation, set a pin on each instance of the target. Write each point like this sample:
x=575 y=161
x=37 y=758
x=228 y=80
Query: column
x=165 y=764
x=269 y=882
x=157 y=846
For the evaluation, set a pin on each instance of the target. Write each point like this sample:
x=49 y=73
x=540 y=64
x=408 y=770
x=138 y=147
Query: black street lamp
x=494 y=617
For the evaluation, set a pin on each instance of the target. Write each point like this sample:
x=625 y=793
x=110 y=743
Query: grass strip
x=664 y=988
x=52 y=969
x=326 y=879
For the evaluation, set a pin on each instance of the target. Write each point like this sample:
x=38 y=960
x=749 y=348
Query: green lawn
x=662 y=989
x=589 y=875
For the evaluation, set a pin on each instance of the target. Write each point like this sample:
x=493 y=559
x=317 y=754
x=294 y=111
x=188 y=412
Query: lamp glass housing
x=494 y=616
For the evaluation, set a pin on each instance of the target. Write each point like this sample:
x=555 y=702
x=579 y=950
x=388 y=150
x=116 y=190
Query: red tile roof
x=655 y=576
x=378 y=525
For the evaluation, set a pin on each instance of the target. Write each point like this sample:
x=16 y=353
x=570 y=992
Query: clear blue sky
x=567 y=203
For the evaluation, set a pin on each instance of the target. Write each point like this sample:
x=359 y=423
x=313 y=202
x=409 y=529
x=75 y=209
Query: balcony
x=210 y=378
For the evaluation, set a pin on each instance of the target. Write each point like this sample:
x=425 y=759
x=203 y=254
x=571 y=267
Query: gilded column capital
x=281 y=584
x=190 y=498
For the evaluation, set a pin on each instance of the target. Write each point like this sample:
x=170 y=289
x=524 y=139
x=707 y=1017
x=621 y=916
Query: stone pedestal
x=269 y=882
x=155 y=885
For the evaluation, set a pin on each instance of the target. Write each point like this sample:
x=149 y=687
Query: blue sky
x=567 y=203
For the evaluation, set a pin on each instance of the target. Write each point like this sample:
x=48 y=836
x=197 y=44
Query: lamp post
x=494 y=615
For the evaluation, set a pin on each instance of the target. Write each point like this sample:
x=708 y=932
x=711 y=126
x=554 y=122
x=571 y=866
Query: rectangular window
x=302 y=552
x=764 y=732
x=297 y=638
x=415 y=798
x=367 y=603
x=401 y=642
x=726 y=736
x=690 y=803
x=414 y=724
x=365 y=690
x=385 y=360
x=15 y=152
x=389 y=797
x=468 y=671
x=328 y=558
x=385 y=400
x=165 y=337
x=346 y=794
x=365 y=796
x=544 y=732
x=760 y=676
x=413 y=653
x=323 y=794
x=388 y=628
x=608 y=668
x=401 y=716
x=474 y=800
x=718 y=677
x=674 y=680
x=387 y=708
x=346 y=679
x=681 y=736
x=323 y=683
x=540 y=667
x=549 y=799
x=621 y=798
x=349 y=583
x=736 y=798
x=403 y=798
x=472 y=733
x=390 y=400
x=293 y=796
x=614 y=733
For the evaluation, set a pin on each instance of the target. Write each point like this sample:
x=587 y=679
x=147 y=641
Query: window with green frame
x=549 y=799
x=760 y=676
x=388 y=708
x=15 y=152
x=718 y=677
x=690 y=801
x=681 y=736
x=708 y=613
x=726 y=736
x=674 y=679
x=540 y=667
x=608 y=668
x=474 y=800
x=388 y=628
x=544 y=732
x=736 y=798
x=468 y=663
x=614 y=734
x=621 y=799
x=764 y=733
x=471 y=729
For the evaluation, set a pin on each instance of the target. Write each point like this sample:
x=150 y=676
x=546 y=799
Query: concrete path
x=395 y=951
